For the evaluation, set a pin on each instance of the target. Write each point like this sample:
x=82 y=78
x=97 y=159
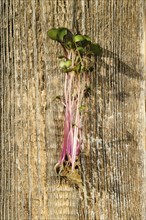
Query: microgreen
x=76 y=64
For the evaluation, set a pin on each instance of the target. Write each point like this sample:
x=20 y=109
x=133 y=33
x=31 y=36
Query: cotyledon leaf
x=58 y=34
x=65 y=64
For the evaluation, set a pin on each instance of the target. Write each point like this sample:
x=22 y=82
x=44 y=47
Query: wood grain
x=112 y=157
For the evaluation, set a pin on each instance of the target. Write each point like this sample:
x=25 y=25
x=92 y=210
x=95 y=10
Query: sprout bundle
x=76 y=64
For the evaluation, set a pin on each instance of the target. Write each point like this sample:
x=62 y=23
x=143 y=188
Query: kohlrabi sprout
x=76 y=64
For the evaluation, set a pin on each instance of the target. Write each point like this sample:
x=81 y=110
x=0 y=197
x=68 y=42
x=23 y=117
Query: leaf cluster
x=80 y=45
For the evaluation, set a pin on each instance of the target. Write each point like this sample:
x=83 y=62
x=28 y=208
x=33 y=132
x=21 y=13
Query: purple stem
x=72 y=138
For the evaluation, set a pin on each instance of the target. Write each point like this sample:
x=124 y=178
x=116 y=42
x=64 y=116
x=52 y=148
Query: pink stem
x=72 y=139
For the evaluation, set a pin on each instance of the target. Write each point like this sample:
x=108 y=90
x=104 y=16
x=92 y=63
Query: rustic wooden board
x=32 y=122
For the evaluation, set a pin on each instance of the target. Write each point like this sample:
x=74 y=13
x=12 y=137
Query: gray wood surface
x=112 y=158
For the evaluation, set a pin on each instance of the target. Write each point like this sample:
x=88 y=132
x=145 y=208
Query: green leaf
x=87 y=38
x=96 y=49
x=65 y=64
x=65 y=70
x=69 y=44
x=53 y=34
x=62 y=64
x=68 y=63
x=82 y=40
x=78 y=38
x=80 y=49
x=66 y=38
x=62 y=32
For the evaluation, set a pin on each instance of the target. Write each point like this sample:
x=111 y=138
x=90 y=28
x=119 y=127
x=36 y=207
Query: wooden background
x=112 y=159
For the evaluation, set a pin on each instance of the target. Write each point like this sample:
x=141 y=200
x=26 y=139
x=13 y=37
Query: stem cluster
x=76 y=64
x=74 y=87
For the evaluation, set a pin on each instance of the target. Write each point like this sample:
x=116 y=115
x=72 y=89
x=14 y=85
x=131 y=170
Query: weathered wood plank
x=32 y=122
